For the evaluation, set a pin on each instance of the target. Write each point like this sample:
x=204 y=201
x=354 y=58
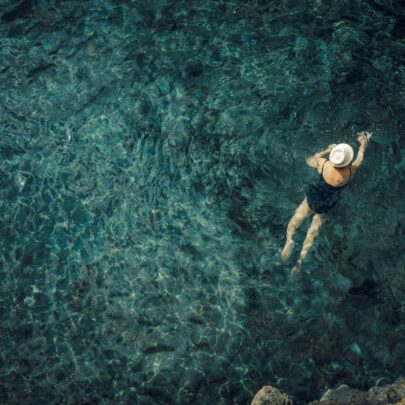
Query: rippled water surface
x=152 y=154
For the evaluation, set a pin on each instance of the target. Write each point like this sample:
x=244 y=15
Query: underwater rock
x=269 y=395
x=388 y=394
x=391 y=394
x=343 y=395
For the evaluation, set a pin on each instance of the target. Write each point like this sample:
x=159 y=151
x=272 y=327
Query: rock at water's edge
x=393 y=394
x=269 y=395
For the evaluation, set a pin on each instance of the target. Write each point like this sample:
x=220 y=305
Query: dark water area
x=151 y=156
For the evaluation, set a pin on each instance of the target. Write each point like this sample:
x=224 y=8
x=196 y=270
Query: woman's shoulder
x=320 y=164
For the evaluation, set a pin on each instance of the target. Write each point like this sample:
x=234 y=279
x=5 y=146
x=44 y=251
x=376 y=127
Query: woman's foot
x=288 y=248
x=296 y=270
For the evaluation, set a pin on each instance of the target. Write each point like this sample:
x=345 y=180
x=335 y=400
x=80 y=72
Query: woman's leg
x=302 y=212
x=313 y=231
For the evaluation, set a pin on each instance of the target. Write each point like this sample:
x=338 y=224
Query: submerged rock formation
x=269 y=395
x=343 y=395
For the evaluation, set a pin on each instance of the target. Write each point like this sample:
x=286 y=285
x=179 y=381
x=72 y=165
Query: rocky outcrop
x=393 y=394
x=269 y=395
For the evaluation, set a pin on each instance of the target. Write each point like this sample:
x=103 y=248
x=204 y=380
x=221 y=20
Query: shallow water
x=152 y=154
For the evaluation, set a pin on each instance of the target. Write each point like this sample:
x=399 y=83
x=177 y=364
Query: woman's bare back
x=334 y=176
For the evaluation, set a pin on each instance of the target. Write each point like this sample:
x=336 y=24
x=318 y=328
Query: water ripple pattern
x=152 y=153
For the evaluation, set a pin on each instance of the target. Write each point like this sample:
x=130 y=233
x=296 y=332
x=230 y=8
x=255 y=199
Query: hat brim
x=349 y=153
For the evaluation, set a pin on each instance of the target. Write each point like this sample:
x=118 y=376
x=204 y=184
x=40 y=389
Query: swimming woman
x=323 y=195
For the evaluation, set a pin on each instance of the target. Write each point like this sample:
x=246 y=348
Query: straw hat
x=341 y=155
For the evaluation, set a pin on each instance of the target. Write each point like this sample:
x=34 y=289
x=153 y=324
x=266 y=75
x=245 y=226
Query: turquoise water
x=152 y=154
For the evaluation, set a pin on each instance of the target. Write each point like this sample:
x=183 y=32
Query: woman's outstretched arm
x=363 y=139
x=312 y=161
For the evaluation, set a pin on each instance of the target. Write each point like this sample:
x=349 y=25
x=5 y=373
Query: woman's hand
x=363 y=137
x=330 y=147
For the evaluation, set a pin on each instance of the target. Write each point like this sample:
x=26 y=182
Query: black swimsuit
x=321 y=196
